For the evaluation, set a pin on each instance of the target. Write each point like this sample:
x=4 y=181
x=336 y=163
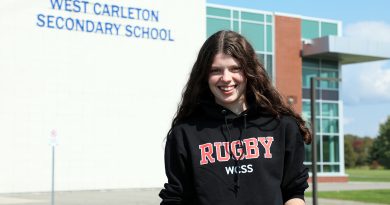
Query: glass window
x=307 y=75
x=269 y=19
x=252 y=16
x=308 y=153
x=331 y=168
x=311 y=63
x=306 y=117
x=318 y=124
x=318 y=143
x=310 y=29
x=318 y=168
x=330 y=126
x=236 y=27
x=269 y=38
x=218 y=12
x=268 y=67
x=308 y=150
x=326 y=64
x=254 y=33
x=260 y=57
x=326 y=83
x=307 y=110
x=235 y=14
x=214 y=25
x=330 y=109
x=312 y=68
x=328 y=29
x=330 y=148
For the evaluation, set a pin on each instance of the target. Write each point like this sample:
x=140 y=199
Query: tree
x=361 y=147
x=349 y=154
x=380 y=150
x=356 y=150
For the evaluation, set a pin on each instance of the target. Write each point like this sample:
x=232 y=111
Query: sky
x=365 y=86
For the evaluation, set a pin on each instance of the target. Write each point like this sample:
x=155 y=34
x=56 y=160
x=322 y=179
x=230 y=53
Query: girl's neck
x=236 y=108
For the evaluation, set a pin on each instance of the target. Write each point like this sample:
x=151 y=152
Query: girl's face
x=227 y=82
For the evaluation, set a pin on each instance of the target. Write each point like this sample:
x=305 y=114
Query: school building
x=89 y=88
x=294 y=49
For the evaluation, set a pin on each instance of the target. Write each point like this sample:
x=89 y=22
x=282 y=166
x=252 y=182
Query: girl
x=233 y=139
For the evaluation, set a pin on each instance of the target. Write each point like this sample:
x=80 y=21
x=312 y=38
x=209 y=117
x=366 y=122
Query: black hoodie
x=218 y=157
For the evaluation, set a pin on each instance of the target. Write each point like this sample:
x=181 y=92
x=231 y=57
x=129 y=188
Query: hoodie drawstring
x=236 y=186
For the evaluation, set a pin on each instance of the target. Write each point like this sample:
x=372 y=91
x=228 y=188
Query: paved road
x=150 y=196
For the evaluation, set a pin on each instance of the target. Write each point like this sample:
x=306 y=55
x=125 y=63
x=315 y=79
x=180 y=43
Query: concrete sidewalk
x=351 y=186
x=150 y=196
x=106 y=197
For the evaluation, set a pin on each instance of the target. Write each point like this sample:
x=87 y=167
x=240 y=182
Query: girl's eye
x=235 y=69
x=215 y=71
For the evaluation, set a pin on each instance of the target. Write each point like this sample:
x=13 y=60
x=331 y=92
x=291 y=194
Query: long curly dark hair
x=259 y=86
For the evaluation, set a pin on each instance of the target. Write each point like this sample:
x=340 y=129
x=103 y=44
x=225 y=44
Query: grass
x=368 y=175
x=362 y=174
x=369 y=196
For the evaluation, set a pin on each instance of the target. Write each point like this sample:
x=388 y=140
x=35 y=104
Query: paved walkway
x=352 y=186
x=150 y=196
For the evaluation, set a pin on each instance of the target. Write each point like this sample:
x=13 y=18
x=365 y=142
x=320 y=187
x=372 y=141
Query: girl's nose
x=226 y=75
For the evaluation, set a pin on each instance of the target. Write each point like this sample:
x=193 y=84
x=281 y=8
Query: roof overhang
x=346 y=50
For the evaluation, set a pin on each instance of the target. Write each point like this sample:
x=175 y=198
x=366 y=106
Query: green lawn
x=370 y=196
x=362 y=175
x=367 y=175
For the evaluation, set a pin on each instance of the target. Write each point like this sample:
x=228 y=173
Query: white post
x=53 y=143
